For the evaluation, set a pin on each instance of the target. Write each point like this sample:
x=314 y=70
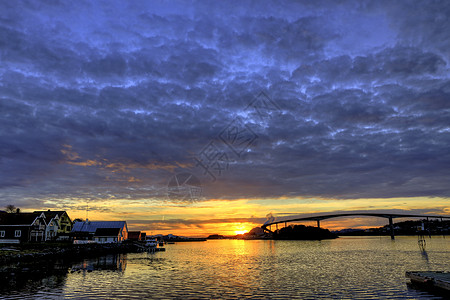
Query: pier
x=430 y=280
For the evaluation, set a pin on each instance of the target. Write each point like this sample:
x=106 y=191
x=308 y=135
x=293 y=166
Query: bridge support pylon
x=391 y=226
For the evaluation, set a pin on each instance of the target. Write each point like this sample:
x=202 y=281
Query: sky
x=201 y=117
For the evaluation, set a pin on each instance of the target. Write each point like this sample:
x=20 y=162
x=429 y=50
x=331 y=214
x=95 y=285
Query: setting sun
x=241 y=228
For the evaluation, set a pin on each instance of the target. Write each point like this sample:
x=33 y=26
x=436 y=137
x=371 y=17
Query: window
x=2 y=233
x=17 y=233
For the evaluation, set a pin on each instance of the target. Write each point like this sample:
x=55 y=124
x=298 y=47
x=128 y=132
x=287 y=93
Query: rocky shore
x=50 y=251
x=21 y=263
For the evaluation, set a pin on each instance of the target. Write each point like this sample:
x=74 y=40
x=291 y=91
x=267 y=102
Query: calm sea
x=345 y=268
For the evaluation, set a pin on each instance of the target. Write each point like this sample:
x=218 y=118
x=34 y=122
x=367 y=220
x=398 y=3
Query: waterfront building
x=59 y=225
x=108 y=235
x=17 y=228
x=134 y=235
x=86 y=231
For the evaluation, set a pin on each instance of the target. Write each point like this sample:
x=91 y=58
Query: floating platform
x=430 y=280
x=154 y=249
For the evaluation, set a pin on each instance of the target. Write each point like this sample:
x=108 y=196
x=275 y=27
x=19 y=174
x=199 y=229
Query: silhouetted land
x=215 y=237
x=422 y=227
x=301 y=232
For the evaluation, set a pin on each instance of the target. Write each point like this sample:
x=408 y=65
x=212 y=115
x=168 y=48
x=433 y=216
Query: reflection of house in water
x=33 y=277
x=112 y=262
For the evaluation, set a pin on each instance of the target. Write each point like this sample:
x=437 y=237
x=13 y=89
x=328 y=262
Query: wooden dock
x=430 y=280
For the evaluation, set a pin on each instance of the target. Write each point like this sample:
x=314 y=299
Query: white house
x=59 y=224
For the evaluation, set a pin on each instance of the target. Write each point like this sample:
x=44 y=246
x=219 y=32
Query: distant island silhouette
x=215 y=237
x=302 y=232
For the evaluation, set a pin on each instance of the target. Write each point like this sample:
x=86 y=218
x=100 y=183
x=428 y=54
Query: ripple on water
x=352 y=268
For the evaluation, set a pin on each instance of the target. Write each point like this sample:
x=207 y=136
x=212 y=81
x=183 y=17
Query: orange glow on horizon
x=232 y=217
x=241 y=228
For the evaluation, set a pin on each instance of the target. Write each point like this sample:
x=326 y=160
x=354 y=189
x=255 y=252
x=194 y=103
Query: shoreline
x=11 y=253
x=32 y=252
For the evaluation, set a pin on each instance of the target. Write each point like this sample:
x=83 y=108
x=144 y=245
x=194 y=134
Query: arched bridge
x=319 y=218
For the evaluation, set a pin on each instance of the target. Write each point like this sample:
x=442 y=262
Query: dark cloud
x=109 y=100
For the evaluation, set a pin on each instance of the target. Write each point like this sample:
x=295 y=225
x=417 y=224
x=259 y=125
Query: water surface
x=344 y=268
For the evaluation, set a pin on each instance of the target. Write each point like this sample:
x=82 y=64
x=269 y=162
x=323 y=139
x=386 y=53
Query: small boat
x=151 y=243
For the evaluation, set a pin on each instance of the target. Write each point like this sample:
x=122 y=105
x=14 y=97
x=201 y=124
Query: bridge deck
x=329 y=216
x=319 y=218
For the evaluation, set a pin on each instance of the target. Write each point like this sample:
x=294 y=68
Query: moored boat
x=151 y=243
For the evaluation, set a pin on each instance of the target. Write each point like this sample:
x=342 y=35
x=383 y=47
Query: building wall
x=14 y=234
x=124 y=233
x=37 y=231
x=65 y=225
x=105 y=239
x=51 y=231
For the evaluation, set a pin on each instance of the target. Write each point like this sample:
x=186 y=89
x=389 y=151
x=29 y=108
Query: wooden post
x=318 y=223
x=391 y=225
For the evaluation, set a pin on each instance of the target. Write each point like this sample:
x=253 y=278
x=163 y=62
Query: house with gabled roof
x=59 y=224
x=108 y=235
x=22 y=227
x=85 y=231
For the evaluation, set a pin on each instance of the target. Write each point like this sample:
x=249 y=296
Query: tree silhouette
x=12 y=209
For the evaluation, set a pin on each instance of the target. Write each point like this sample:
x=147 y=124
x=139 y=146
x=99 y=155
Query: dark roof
x=107 y=232
x=18 y=218
x=91 y=226
x=50 y=214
